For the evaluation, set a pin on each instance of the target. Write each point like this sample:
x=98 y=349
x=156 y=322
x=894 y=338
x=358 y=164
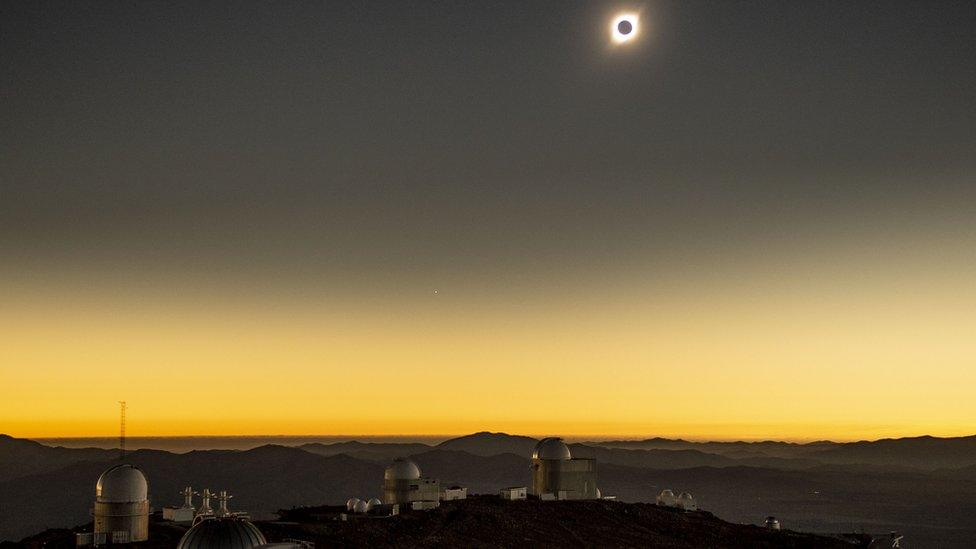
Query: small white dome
x=351 y=503
x=402 y=469
x=687 y=502
x=122 y=484
x=551 y=448
x=373 y=503
x=361 y=507
x=666 y=497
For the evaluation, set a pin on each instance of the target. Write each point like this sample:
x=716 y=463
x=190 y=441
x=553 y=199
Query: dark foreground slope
x=488 y=521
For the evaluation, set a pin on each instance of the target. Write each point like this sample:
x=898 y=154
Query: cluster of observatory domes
x=356 y=505
x=122 y=500
x=682 y=501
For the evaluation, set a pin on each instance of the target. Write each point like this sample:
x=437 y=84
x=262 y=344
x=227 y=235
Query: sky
x=755 y=220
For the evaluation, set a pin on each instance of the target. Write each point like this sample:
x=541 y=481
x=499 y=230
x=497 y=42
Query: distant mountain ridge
x=55 y=486
x=925 y=452
x=22 y=457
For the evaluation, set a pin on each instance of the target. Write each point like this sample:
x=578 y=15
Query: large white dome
x=402 y=469
x=223 y=533
x=122 y=484
x=551 y=448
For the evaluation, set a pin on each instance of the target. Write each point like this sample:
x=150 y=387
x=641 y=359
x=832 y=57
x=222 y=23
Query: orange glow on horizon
x=829 y=353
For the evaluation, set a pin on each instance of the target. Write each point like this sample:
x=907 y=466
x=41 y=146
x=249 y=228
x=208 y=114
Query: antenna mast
x=121 y=429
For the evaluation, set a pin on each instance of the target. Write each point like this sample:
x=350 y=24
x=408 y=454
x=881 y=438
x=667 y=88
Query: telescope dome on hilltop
x=226 y=533
x=402 y=469
x=667 y=498
x=122 y=484
x=687 y=502
x=551 y=448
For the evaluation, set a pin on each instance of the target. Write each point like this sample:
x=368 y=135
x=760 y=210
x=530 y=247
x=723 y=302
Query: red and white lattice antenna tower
x=121 y=429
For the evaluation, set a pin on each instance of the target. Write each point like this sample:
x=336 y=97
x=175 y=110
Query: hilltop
x=489 y=521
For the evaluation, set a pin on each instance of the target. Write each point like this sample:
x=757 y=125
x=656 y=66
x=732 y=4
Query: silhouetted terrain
x=20 y=457
x=372 y=451
x=489 y=521
x=490 y=444
x=913 y=452
x=933 y=508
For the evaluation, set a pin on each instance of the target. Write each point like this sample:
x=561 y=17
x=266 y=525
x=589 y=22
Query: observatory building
x=223 y=528
x=667 y=498
x=687 y=502
x=557 y=475
x=403 y=483
x=186 y=513
x=122 y=504
x=225 y=532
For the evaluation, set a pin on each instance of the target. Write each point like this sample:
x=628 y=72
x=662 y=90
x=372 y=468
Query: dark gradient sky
x=490 y=150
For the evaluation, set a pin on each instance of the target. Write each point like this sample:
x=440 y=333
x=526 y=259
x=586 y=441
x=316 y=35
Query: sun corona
x=624 y=28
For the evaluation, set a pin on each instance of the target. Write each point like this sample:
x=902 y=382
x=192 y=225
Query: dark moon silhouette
x=625 y=27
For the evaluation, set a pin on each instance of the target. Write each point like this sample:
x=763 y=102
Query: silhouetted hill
x=923 y=452
x=768 y=448
x=373 y=451
x=20 y=457
x=932 y=512
x=914 y=452
x=934 y=508
x=658 y=459
x=481 y=474
x=490 y=444
x=488 y=521
x=262 y=480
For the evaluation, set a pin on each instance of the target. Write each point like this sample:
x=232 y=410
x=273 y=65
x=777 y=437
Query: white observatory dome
x=666 y=497
x=226 y=533
x=351 y=503
x=687 y=502
x=373 y=503
x=551 y=448
x=361 y=507
x=402 y=469
x=122 y=484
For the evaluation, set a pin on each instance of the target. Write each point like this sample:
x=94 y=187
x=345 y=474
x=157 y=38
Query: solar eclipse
x=624 y=28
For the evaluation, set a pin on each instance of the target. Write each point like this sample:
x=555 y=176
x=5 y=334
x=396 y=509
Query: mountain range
x=819 y=487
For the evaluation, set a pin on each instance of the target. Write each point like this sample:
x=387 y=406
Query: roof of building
x=551 y=448
x=402 y=469
x=222 y=533
x=122 y=484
